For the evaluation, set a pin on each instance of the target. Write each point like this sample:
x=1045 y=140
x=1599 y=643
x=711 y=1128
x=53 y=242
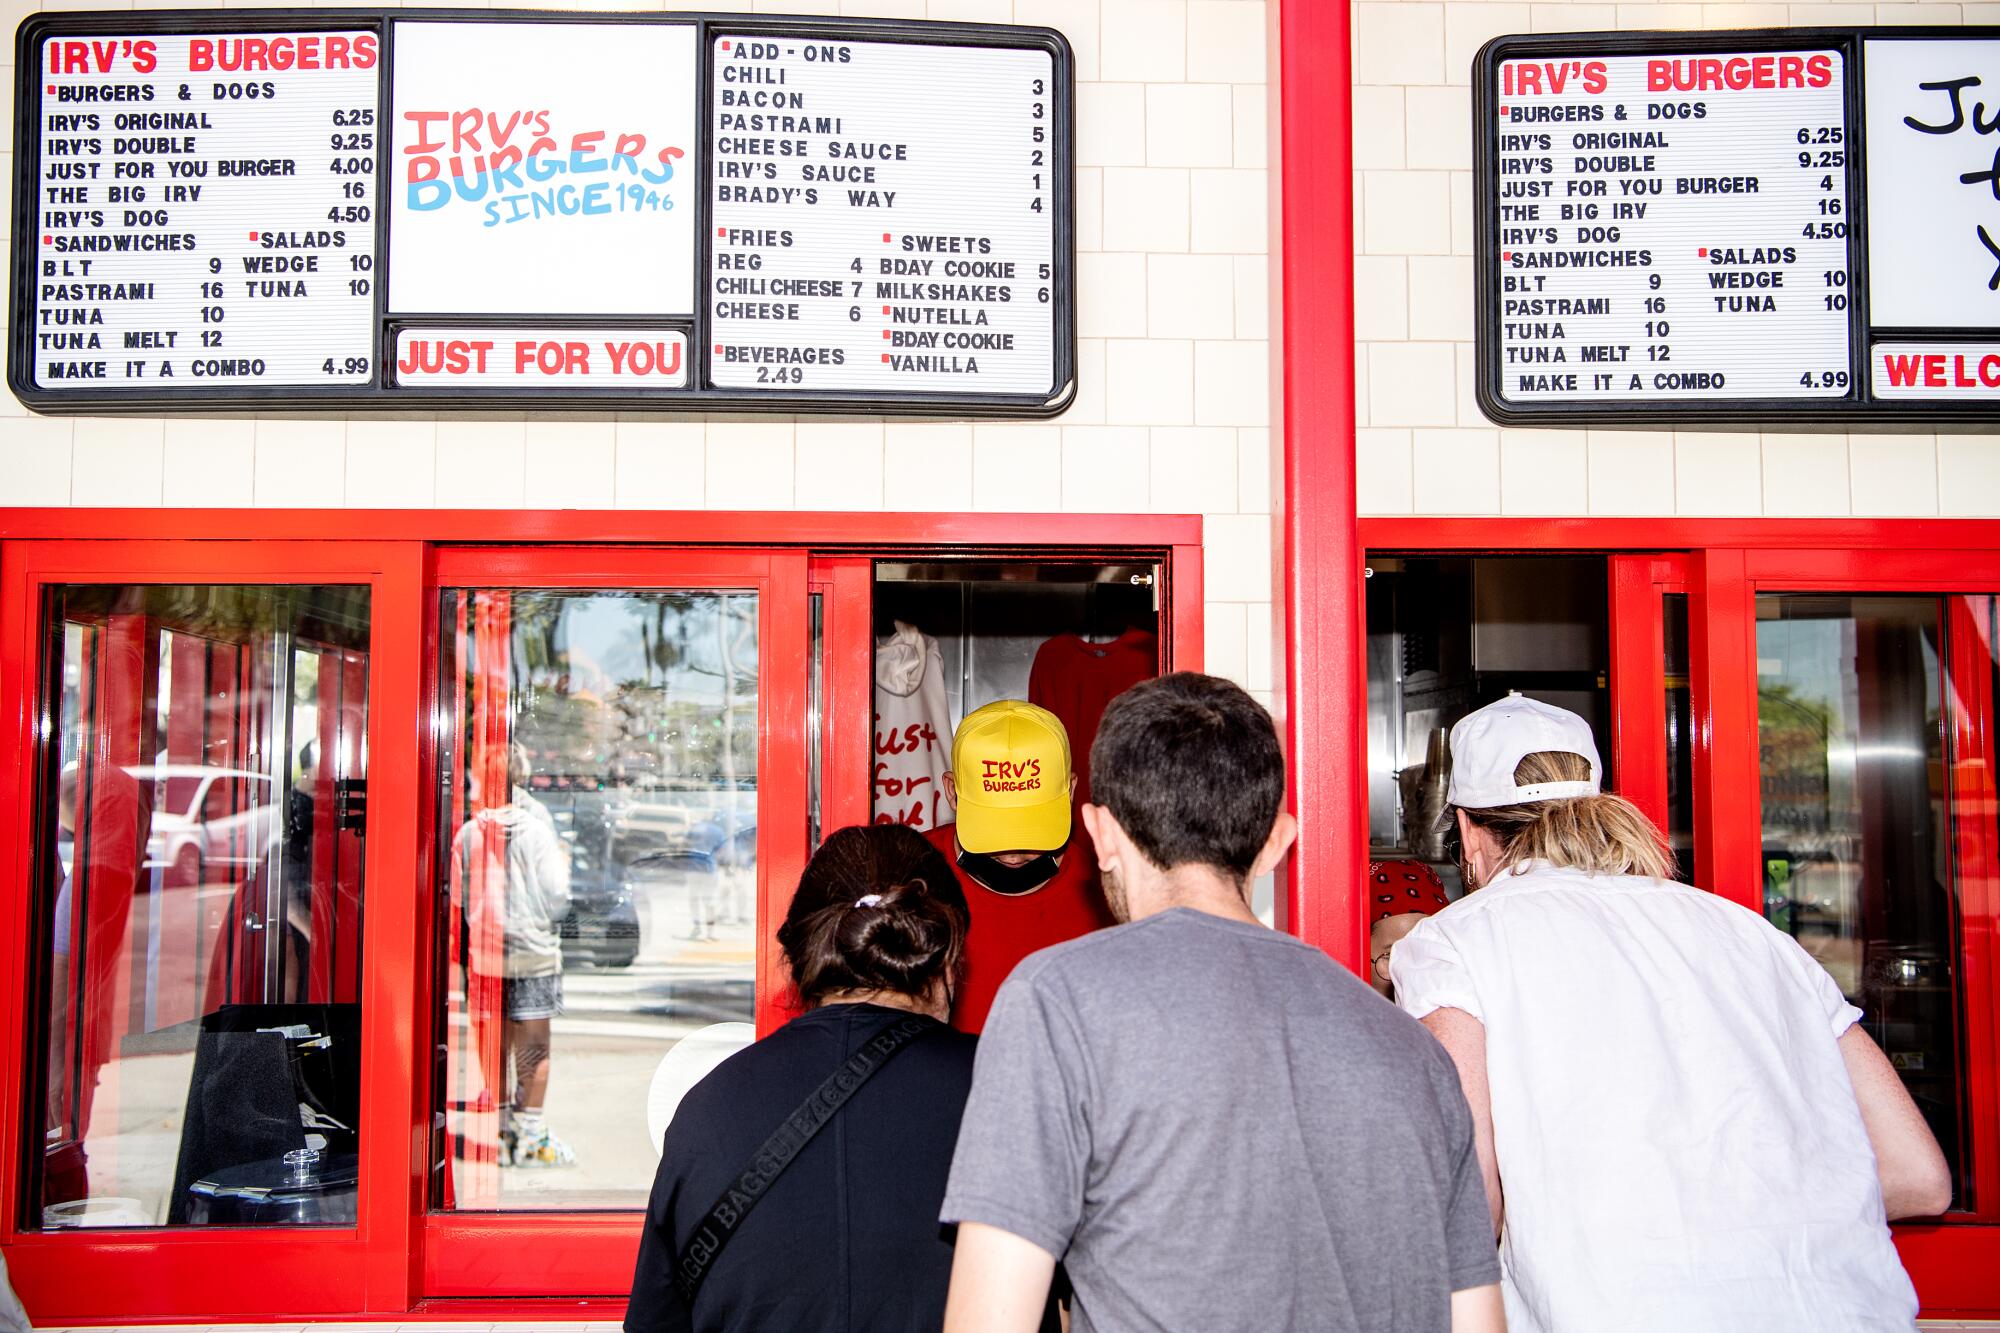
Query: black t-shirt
x=847 y=1239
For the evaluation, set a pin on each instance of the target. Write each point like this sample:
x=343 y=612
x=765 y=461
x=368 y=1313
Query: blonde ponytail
x=1599 y=835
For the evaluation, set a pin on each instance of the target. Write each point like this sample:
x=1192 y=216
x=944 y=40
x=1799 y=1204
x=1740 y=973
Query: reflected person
x=513 y=871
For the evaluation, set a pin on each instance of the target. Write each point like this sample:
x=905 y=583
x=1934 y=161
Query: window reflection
x=1858 y=816
x=598 y=831
x=201 y=861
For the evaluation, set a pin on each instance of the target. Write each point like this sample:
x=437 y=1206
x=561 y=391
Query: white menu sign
x=1671 y=228
x=204 y=211
x=1933 y=183
x=543 y=168
x=1969 y=372
x=883 y=217
x=550 y=359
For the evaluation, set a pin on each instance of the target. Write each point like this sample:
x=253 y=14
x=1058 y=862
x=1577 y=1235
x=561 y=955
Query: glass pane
x=597 y=880
x=1857 y=816
x=1680 y=734
x=202 y=783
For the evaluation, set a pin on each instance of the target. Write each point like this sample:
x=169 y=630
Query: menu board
x=884 y=216
x=1736 y=227
x=388 y=209
x=1660 y=239
x=203 y=211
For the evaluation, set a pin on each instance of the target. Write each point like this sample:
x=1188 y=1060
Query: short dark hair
x=1189 y=765
x=903 y=943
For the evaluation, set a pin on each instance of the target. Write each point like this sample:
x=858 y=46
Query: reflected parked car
x=601 y=927
x=204 y=816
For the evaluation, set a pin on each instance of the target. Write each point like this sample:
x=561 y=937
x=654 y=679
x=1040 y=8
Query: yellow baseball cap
x=1011 y=763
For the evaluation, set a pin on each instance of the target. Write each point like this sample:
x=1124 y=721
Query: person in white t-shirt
x=1681 y=1124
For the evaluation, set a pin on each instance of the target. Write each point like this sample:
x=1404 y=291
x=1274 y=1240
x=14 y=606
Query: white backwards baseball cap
x=1487 y=745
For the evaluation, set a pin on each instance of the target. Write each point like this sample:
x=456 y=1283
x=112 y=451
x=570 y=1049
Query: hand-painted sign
x=543 y=168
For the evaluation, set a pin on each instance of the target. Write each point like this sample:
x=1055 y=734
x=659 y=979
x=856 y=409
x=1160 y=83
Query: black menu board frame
x=381 y=392
x=1860 y=405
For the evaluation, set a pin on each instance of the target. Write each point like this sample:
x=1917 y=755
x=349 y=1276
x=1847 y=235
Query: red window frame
x=133 y=1274
x=402 y=1260
x=1929 y=1249
x=1638 y=586
x=495 y=1255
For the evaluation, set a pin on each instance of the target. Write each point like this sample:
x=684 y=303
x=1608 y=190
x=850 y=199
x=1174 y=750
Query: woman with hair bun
x=845 y=1236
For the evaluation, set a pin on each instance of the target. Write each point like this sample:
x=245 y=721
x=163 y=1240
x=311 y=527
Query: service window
x=1450 y=634
x=954 y=636
x=199 y=903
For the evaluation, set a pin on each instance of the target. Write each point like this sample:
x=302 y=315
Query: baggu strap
x=786 y=1142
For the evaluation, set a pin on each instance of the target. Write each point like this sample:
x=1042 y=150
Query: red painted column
x=1316 y=579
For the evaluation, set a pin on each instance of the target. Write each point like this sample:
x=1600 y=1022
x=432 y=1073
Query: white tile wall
x=1189 y=124
x=1149 y=382
x=660 y=464
x=209 y=462
x=482 y=464
x=301 y=464
x=571 y=464
x=1805 y=475
x=750 y=464
x=1193 y=469
x=1016 y=467
x=1111 y=295
x=838 y=464
x=928 y=465
x=118 y=461
x=1968 y=475
x=1413 y=317
x=1105 y=468
x=1384 y=480
x=1225 y=42
x=1145 y=208
x=1717 y=473
x=1172 y=406
x=391 y=464
x=1543 y=472
x=1892 y=475
x=1631 y=472
x=1457 y=471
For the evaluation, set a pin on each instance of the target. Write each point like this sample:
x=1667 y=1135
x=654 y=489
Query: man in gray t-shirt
x=1212 y=1125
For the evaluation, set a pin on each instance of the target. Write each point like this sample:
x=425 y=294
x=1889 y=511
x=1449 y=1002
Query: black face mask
x=1005 y=880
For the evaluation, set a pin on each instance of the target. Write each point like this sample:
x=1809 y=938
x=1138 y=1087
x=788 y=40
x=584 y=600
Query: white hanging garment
x=912 y=731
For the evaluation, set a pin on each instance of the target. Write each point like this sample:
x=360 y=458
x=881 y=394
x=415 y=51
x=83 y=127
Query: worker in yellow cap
x=1028 y=872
